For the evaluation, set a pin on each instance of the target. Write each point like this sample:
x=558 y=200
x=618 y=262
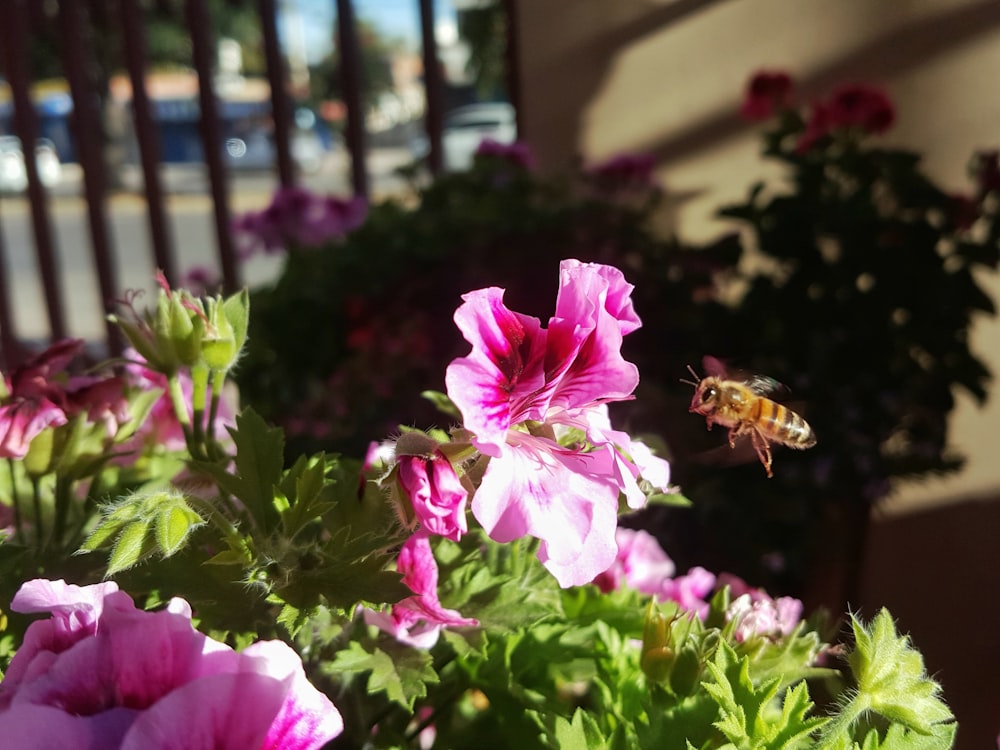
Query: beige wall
x=601 y=77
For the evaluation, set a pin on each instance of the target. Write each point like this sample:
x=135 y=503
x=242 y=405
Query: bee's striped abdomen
x=781 y=424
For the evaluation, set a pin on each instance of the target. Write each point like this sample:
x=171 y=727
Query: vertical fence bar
x=280 y=111
x=350 y=80
x=9 y=350
x=199 y=26
x=87 y=132
x=13 y=41
x=433 y=86
x=512 y=67
x=145 y=133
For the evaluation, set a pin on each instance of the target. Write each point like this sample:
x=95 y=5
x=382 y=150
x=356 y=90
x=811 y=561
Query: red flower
x=861 y=106
x=768 y=92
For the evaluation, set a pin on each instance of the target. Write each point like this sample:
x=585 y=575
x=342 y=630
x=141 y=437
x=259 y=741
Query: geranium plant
x=468 y=587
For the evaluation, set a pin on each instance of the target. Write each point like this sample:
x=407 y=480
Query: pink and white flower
x=100 y=673
x=522 y=387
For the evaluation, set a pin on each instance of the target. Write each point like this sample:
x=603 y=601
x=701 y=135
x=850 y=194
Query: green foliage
x=891 y=685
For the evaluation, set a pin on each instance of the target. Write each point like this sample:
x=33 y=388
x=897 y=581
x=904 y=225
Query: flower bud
x=686 y=672
x=657 y=658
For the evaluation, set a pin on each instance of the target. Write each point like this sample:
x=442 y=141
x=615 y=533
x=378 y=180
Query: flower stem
x=16 y=499
x=36 y=499
x=62 y=500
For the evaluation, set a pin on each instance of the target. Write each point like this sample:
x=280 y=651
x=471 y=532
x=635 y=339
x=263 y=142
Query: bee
x=745 y=408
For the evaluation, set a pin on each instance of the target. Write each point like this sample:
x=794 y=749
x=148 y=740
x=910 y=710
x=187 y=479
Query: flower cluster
x=852 y=108
x=100 y=673
x=300 y=217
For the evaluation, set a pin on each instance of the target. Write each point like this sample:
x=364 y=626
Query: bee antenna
x=694 y=375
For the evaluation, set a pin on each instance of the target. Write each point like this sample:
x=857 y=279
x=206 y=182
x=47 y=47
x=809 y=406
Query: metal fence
x=19 y=21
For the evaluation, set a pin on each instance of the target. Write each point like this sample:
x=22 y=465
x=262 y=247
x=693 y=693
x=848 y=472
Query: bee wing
x=714 y=367
x=765 y=386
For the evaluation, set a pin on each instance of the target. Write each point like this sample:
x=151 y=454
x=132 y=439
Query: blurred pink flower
x=417 y=620
x=517 y=153
x=641 y=563
x=436 y=494
x=297 y=217
x=100 y=673
x=520 y=386
x=34 y=398
x=767 y=92
x=690 y=590
x=624 y=172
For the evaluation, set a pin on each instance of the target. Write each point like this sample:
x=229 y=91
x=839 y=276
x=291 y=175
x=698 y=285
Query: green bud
x=218 y=346
x=686 y=671
x=657 y=658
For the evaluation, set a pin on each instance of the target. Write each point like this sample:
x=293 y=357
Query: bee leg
x=733 y=434
x=763 y=449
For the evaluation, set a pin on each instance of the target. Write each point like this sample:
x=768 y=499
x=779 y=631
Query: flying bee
x=745 y=408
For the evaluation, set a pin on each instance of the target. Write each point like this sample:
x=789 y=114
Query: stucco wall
x=599 y=77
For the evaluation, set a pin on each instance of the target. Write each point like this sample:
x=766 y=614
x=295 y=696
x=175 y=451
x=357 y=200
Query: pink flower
x=640 y=564
x=690 y=590
x=767 y=92
x=297 y=217
x=624 y=172
x=35 y=400
x=417 y=620
x=100 y=673
x=760 y=615
x=521 y=387
x=436 y=494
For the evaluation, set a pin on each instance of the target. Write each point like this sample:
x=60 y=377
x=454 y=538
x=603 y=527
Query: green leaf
x=583 y=733
x=674 y=499
x=747 y=711
x=259 y=461
x=442 y=403
x=402 y=675
x=891 y=682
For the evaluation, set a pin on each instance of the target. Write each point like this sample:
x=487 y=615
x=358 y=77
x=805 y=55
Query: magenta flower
x=34 y=399
x=100 y=673
x=863 y=107
x=624 y=172
x=418 y=619
x=436 y=494
x=768 y=92
x=518 y=153
x=298 y=217
x=522 y=387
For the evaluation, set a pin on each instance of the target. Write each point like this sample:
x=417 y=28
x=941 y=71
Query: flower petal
x=566 y=499
x=505 y=362
x=217 y=712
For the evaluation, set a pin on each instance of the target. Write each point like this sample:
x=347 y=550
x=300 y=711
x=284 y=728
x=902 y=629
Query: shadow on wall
x=579 y=73
x=938 y=573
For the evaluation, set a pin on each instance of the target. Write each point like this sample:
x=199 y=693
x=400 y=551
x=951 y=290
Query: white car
x=464 y=128
x=14 y=173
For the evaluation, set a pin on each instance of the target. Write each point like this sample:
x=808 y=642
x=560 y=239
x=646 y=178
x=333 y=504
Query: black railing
x=20 y=21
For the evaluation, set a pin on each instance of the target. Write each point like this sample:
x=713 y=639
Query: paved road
x=191 y=225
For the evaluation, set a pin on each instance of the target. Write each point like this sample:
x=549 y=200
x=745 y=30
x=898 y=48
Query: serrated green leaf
x=403 y=676
x=582 y=733
x=130 y=546
x=891 y=682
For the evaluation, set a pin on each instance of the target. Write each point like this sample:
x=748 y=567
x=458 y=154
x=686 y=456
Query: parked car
x=14 y=172
x=464 y=128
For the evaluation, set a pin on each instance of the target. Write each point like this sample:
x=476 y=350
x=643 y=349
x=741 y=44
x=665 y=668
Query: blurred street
x=192 y=232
